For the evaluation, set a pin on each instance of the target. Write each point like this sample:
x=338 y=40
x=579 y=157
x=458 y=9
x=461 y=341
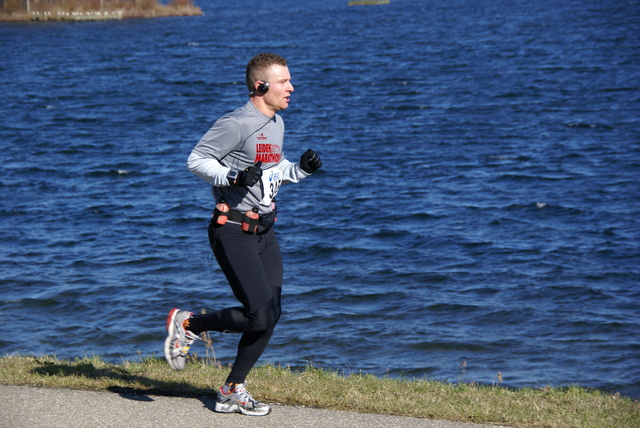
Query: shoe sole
x=235 y=408
x=170 y=335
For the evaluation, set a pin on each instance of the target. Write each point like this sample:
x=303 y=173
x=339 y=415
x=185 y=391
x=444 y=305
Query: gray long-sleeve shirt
x=237 y=141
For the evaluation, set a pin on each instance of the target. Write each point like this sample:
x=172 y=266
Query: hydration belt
x=250 y=221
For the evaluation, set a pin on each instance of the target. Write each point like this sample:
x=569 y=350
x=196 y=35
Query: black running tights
x=253 y=266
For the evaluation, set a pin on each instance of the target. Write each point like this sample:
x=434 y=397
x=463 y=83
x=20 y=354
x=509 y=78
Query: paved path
x=25 y=406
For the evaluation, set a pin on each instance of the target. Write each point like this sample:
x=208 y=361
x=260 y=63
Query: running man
x=242 y=158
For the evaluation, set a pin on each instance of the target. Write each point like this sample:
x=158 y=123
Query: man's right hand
x=250 y=176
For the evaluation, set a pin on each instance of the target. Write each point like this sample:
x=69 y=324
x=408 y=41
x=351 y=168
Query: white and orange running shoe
x=179 y=340
x=239 y=400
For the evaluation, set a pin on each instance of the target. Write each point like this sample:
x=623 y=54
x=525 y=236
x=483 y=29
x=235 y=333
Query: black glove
x=310 y=162
x=249 y=176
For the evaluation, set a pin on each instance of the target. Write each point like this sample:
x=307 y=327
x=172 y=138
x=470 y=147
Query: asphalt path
x=33 y=407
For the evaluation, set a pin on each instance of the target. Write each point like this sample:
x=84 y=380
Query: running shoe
x=179 y=340
x=239 y=401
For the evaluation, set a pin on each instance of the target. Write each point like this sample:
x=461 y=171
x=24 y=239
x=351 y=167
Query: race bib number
x=271 y=181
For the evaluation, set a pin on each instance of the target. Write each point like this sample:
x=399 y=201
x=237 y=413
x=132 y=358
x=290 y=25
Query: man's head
x=269 y=82
x=258 y=68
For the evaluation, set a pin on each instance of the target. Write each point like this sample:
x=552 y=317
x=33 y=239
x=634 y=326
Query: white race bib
x=271 y=181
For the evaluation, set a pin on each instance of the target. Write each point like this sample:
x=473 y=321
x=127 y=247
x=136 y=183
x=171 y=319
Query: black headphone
x=263 y=87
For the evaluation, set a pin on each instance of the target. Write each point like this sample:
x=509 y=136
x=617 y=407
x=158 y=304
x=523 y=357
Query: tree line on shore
x=60 y=9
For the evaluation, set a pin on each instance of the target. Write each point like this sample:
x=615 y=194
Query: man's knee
x=264 y=318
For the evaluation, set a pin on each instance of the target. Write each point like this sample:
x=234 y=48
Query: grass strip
x=468 y=402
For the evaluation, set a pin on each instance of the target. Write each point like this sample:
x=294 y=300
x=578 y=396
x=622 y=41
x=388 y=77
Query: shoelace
x=191 y=337
x=246 y=397
x=185 y=340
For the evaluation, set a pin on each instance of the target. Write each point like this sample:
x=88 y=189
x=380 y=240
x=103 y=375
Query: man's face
x=280 y=88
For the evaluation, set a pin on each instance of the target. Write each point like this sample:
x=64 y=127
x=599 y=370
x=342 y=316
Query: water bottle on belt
x=251 y=221
x=221 y=214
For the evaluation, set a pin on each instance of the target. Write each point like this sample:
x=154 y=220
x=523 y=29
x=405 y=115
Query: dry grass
x=548 y=407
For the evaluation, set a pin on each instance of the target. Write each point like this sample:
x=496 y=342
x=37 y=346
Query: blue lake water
x=477 y=213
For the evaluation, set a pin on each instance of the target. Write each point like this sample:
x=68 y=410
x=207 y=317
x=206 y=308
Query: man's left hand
x=310 y=161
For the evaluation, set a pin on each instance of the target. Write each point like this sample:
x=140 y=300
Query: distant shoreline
x=48 y=12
